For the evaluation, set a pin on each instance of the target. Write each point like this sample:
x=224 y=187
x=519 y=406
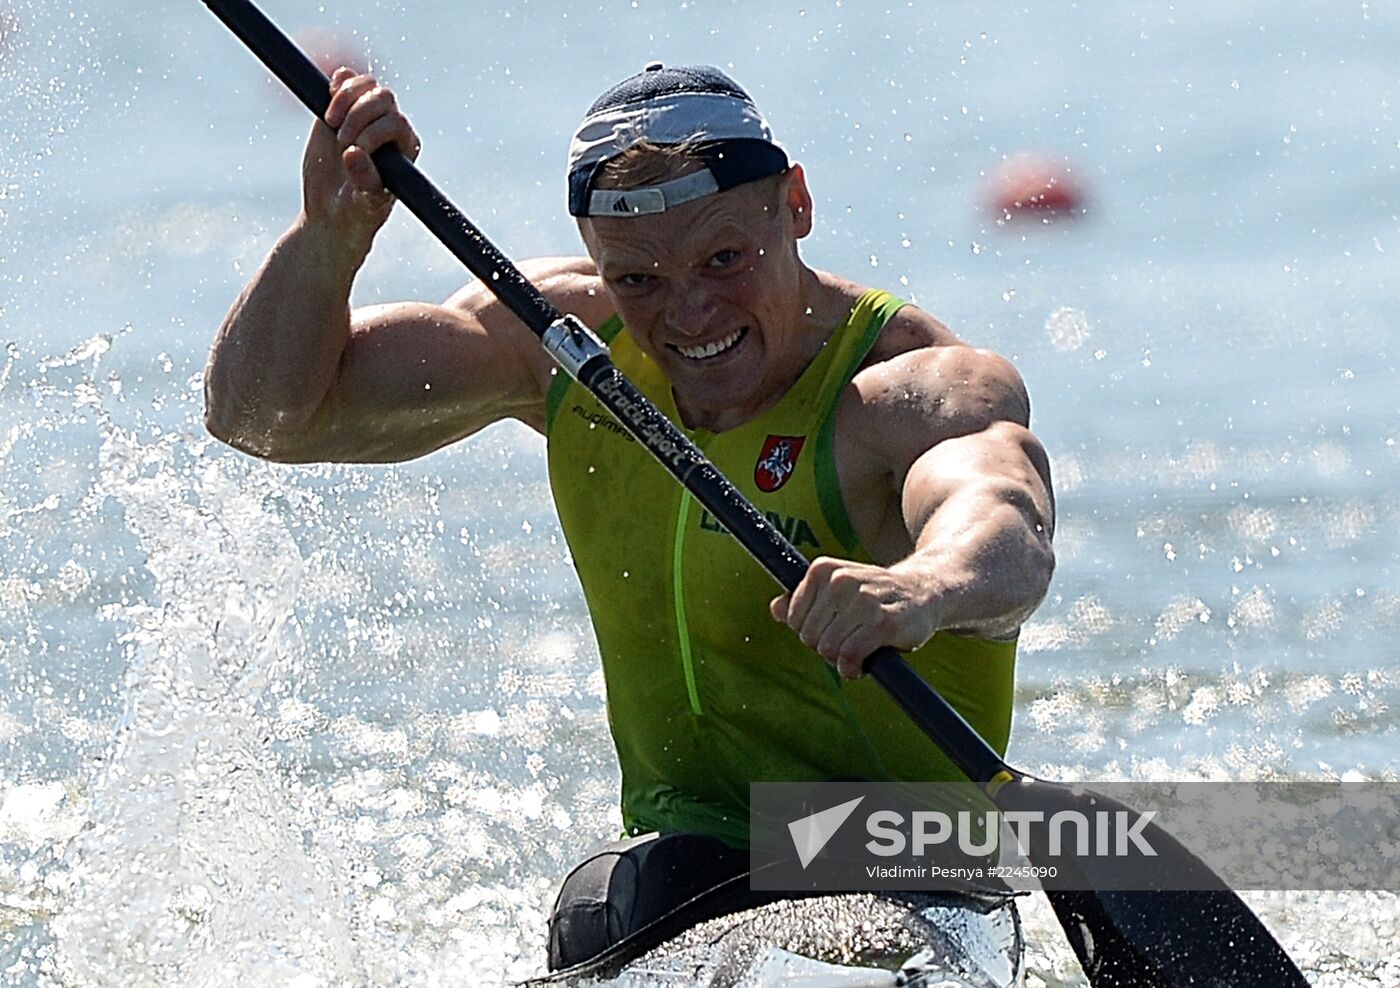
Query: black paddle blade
x=1144 y=920
x=1172 y=940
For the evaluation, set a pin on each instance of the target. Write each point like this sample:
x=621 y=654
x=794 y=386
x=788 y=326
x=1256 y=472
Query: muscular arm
x=980 y=508
x=278 y=352
x=295 y=375
x=940 y=440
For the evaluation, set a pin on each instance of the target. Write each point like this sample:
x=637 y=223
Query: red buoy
x=330 y=52
x=1035 y=186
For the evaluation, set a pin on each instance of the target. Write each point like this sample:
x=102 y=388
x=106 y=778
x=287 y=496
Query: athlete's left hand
x=846 y=610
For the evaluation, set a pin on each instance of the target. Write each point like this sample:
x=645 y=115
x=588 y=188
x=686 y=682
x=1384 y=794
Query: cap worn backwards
x=695 y=105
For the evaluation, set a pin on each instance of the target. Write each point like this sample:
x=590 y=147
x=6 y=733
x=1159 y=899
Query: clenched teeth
x=711 y=349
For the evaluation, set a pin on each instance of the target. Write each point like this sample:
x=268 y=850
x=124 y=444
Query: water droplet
x=1068 y=328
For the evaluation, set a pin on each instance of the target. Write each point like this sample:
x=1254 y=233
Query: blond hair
x=649 y=163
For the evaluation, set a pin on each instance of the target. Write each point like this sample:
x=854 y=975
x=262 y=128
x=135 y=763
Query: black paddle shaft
x=310 y=85
x=586 y=359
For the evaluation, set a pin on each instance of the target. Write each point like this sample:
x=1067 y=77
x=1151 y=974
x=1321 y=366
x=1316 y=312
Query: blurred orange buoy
x=1035 y=185
x=330 y=52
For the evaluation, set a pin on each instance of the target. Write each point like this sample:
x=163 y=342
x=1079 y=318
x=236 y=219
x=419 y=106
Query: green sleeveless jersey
x=706 y=692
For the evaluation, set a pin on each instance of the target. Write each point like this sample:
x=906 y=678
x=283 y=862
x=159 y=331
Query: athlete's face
x=711 y=291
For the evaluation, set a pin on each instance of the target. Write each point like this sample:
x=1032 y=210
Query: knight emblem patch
x=776 y=462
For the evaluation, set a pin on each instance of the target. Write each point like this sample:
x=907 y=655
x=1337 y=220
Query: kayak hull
x=835 y=941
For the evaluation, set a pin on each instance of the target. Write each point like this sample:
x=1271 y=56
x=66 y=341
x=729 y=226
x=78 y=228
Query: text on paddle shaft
x=649 y=425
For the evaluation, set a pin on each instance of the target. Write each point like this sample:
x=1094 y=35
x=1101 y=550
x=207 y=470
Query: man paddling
x=895 y=455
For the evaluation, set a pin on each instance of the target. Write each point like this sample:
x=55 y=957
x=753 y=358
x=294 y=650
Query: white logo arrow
x=810 y=834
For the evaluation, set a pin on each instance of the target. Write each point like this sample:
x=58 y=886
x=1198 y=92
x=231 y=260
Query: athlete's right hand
x=340 y=185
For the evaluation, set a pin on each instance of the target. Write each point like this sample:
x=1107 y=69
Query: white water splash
x=199 y=866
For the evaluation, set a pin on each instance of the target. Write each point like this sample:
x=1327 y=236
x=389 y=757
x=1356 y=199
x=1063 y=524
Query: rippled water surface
x=344 y=725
